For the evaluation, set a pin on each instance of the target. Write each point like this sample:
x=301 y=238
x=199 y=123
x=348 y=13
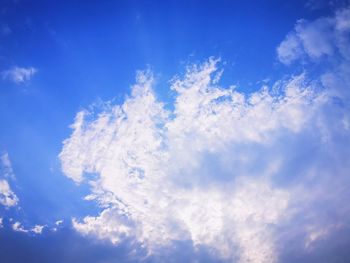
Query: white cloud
x=343 y=20
x=290 y=49
x=247 y=175
x=152 y=165
x=316 y=39
x=37 y=229
x=59 y=222
x=6 y=166
x=17 y=226
x=19 y=75
x=107 y=225
x=1 y=222
x=314 y=234
x=7 y=196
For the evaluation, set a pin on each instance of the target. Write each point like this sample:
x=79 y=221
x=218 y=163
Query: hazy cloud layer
x=253 y=177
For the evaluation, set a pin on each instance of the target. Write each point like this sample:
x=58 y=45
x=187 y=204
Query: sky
x=174 y=131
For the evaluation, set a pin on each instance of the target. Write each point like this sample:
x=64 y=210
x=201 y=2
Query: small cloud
x=7 y=196
x=290 y=49
x=343 y=20
x=19 y=75
x=6 y=166
x=37 y=229
x=313 y=40
x=58 y=222
x=17 y=226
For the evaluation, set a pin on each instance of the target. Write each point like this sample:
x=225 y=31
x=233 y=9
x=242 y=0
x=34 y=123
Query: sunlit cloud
x=250 y=176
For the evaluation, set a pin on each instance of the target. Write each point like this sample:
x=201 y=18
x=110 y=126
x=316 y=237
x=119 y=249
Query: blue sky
x=168 y=131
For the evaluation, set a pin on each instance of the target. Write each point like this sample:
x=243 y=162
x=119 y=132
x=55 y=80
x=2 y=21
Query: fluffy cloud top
x=316 y=39
x=19 y=75
x=244 y=175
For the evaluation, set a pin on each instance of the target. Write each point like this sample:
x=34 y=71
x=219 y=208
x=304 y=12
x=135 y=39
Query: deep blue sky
x=85 y=51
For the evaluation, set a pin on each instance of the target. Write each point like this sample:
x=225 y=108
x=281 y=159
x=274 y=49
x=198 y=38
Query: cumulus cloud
x=253 y=177
x=19 y=75
x=156 y=169
x=316 y=39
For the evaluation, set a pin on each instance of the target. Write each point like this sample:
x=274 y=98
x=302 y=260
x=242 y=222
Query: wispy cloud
x=19 y=75
x=6 y=166
x=7 y=197
x=37 y=229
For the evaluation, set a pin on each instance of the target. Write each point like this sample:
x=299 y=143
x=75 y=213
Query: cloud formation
x=7 y=197
x=253 y=177
x=317 y=39
x=6 y=166
x=37 y=229
x=19 y=75
x=155 y=168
